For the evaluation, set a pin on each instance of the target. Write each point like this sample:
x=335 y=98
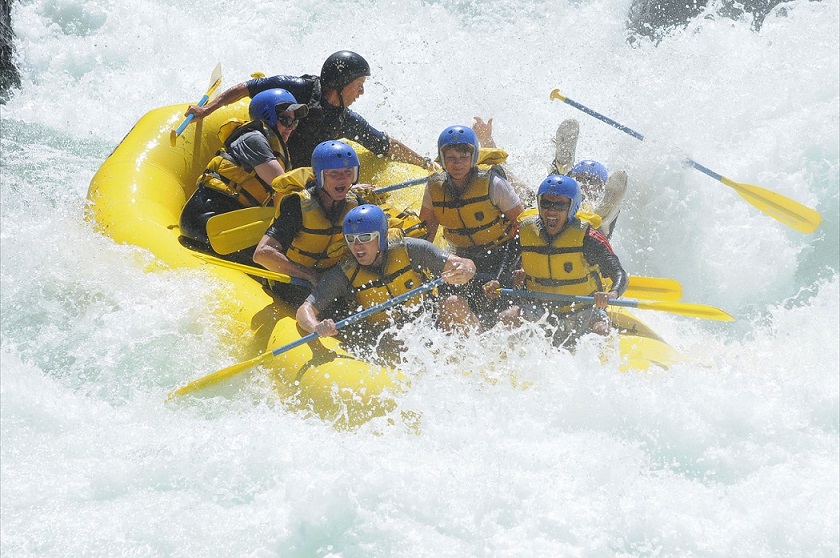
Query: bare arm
x=228 y=96
x=269 y=170
x=484 y=132
x=427 y=215
x=307 y=318
x=457 y=270
x=398 y=151
x=513 y=213
x=270 y=254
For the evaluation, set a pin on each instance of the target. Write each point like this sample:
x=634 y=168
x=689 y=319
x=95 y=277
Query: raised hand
x=484 y=131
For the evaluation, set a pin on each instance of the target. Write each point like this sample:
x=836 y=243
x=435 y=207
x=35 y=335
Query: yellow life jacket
x=319 y=244
x=587 y=214
x=557 y=265
x=292 y=182
x=489 y=157
x=296 y=180
x=406 y=220
x=398 y=276
x=469 y=218
x=225 y=174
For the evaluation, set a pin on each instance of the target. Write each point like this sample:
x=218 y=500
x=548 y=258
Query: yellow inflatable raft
x=136 y=198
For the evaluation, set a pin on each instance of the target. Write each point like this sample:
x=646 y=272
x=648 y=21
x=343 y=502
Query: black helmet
x=342 y=67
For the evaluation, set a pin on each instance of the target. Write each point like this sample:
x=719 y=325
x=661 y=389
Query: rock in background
x=9 y=77
x=654 y=19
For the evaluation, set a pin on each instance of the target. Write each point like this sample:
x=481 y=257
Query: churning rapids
x=733 y=454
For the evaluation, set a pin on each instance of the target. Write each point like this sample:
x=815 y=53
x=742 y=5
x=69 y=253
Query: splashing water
x=503 y=446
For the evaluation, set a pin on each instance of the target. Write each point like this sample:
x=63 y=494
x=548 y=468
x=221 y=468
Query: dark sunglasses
x=558 y=205
x=288 y=121
x=361 y=237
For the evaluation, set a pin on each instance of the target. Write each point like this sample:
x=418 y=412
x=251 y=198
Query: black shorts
x=202 y=205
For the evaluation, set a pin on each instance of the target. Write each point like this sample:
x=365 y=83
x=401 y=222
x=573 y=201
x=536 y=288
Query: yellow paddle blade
x=240 y=229
x=783 y=209
x=653 y=288
x=687 y=309
x=219 y=375
x=681 y=308
x=527 y=212
x=250 y=270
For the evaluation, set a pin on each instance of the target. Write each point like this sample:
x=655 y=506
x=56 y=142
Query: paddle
x=650 y=288
x=215 y=82
x=231 y=371
x=777 y=206
x=251 y=270
x=681 y=308
x=236 y=230
x=653 y=288
x=400 y=185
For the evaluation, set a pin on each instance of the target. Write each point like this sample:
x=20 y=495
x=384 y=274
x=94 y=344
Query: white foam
x=510 y=449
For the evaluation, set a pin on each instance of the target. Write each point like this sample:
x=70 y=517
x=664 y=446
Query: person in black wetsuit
x=328 y=96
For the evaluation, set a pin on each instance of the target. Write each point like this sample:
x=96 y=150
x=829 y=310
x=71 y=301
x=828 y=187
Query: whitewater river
x=734 y=453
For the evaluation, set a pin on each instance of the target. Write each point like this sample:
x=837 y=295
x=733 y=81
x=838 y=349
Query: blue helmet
x=266 y=104
x=367 y=218
x=333 y=154
x=590 y=168
x=455 y=135
x=561 y=185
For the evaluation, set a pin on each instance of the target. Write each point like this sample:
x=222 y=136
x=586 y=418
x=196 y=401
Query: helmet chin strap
x=341 y=97
x=340 y=94
x=333 y=203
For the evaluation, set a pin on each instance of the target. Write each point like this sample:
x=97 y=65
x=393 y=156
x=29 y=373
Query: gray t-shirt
x=334 y=284
x=251 y=149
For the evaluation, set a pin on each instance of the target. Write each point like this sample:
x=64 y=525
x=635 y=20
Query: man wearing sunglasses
x=562 y=255
x=601 y=192
x=328 y=96
x=240 y=175
x=384 y=264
